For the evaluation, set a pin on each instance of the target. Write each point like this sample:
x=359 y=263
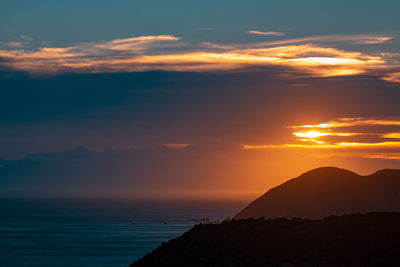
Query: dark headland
x=346 y=220
x=328 y=191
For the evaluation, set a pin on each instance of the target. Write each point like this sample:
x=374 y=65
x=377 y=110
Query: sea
x=57 y=233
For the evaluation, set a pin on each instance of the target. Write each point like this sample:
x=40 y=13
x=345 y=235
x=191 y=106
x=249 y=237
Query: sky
x=193 y=99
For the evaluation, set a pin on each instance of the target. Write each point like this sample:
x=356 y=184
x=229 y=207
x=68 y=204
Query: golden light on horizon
x=329 y=146
x=352 y=142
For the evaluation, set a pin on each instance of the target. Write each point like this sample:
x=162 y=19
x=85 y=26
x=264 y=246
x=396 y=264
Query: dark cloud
x=135 y=109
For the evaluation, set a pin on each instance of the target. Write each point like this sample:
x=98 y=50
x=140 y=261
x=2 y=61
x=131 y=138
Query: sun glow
x=310 y=134
x=328 y=136
x=313 y=135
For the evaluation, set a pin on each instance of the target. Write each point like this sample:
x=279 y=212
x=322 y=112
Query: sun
x=311 y=134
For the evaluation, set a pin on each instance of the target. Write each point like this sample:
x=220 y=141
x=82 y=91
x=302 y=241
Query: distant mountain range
x=328 y=191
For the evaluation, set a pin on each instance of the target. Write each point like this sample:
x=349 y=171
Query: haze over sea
x=40 y=233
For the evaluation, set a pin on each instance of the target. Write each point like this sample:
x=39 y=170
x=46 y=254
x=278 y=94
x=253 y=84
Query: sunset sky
x=197 y=99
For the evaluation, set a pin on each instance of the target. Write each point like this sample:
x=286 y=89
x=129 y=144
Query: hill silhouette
x=328 y=191
x=348 y=240
x=357 y=239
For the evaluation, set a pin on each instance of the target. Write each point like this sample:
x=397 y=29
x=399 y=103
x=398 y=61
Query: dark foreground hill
x=328 y=191
x=350 y=240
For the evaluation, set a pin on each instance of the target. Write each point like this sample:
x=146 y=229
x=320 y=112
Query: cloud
x=16 y=44
x=393 y=77
x=353 y=39
x=165 y=52
x=348 y=122
x=266 y=33
x=392 y=135
x=346 y=135
x=132 y=45
x=26 y=38
x=22 y=43
x=210 y=45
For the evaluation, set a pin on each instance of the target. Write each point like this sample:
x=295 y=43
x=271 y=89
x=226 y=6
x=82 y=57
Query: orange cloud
x=23 y=42
x=392 y=77
x=149 y=53
x=354 y=39
x=135 y=44
x=348 y=122
x=266 y=33
x=315 y=138
x=391 y=135
x=383 y=156
x=341 y=145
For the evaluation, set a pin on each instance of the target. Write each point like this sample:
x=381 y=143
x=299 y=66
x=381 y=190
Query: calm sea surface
x=94 y=233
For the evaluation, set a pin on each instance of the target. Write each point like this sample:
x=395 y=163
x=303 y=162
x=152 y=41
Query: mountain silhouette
x=259 y=236
x=349 y=240
x=328 y=191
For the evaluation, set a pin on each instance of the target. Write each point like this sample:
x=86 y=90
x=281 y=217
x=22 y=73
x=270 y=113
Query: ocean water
x=44 y=233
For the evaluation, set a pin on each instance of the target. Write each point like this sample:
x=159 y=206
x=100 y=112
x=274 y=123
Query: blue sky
x=65 y=22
